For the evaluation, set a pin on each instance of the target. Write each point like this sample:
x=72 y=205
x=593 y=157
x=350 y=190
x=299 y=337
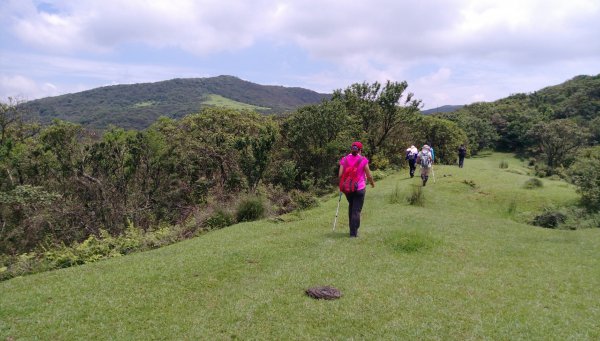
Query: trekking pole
x=337 y=211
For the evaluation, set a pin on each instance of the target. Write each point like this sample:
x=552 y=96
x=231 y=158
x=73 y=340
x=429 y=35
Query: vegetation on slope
x=462 y=266
x=137 y=106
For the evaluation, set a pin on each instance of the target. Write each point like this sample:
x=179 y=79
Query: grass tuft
x=416 y=196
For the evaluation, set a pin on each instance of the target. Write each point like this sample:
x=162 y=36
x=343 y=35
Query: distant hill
x=444 y=108
x=136 y=106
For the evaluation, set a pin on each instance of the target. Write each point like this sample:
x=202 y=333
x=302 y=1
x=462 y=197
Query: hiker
x=411 y=156
x=359 y=165
x=425 y=160
x=462 y=152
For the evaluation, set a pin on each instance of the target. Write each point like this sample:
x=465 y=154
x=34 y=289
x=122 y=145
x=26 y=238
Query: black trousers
x=355 y=204
x=461 y=161
x=412 y=165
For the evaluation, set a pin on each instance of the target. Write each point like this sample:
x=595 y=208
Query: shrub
x=416 y=197
x=250 y=209
x=219 y=219
x=503 y=164
x=304 y=200
x=549 y=219
x=533 y=183
x=585 y=174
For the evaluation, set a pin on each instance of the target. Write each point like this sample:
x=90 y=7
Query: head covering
x=357 y=144
x=426 y=147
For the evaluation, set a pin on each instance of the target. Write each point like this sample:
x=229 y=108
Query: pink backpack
x=350 y=178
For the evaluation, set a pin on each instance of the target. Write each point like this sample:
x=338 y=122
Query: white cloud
x=439 y=47
x=23 y=88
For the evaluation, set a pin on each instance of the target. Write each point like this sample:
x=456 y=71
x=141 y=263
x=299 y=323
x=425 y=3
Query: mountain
x=136 y=106
x=444 y=108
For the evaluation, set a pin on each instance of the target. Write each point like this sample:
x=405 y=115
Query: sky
x=448 y=51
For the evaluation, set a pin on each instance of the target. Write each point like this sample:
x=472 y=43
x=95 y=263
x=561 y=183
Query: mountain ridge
x=137 y=106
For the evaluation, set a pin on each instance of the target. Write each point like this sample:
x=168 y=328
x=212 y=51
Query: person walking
x=462 y=152
x=425 y=160
x=359 y=165
x=411 y=156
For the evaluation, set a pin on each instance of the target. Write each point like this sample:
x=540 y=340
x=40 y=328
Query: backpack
x=425 y=160
x=349 y=180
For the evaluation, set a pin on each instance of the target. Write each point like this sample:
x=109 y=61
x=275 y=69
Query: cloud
x=21 y=87
x=439 y=47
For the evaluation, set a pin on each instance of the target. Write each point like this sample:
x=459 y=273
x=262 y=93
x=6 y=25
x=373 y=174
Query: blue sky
x=449 y=51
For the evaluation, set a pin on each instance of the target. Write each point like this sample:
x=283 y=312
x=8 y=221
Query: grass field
x=222 y=102
x=464 y=266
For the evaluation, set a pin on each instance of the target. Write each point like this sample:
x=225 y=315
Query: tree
x=381 y=110
x=557 y=139
x=585 y=174
x=444 y=136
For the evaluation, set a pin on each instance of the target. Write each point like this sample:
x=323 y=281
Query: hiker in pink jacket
x=359 y=165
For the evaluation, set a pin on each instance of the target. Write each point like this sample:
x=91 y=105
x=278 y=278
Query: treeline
x=61 y=184
x=557 y=129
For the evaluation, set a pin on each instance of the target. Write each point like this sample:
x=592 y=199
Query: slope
x=136 y=106
x=463 y=266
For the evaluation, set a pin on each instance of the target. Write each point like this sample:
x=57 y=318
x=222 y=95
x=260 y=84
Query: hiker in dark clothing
x=411 y=156
x=356 y=198
x=462 y=152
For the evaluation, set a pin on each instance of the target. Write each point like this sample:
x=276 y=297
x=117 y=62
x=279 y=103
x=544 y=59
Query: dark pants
x=461 y=161
x=412 y=165
x=355 y=204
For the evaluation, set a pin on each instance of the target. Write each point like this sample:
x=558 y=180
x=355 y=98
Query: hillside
x=465 y=266
x=442 y=109
x=136 y=106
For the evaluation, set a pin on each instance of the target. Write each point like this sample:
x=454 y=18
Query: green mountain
x=442 y=109
x=136 y=106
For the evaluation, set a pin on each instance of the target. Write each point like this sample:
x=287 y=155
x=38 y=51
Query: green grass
x=465 y=266
x=222 y=102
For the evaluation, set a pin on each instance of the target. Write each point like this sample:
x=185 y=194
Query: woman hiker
x=359 y=165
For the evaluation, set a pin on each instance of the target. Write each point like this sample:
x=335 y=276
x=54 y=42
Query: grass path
x=465 y=266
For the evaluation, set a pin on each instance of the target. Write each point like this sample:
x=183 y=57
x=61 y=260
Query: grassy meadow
x=463 y=266
x=222 y=102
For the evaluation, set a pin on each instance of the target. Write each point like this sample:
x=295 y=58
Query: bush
x=533 y=183
x=549 y=219
x=250 y=209
x=585 y=174
x=219 y=219
x=304 y=200
x=503 y=164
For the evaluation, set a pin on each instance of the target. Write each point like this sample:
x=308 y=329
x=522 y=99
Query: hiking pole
x=337 y=211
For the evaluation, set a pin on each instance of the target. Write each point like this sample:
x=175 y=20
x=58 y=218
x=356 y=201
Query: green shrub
x=585 y=174
x=549 y=219
x=417 y=196
x=503 y=164
x=219 y=219
x=378 y=174
x=250 y=209
x=304 y=200
x=533 y=183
